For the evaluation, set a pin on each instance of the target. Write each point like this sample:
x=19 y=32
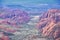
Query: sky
x=31 y=5
x=30 y=2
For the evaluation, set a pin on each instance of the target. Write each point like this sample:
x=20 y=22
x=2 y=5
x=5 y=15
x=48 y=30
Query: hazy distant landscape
x=19 y=18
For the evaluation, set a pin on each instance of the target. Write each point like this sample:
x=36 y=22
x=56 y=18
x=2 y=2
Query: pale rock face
x=49 y=24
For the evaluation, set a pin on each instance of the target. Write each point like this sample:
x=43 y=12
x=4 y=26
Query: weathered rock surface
x=15 y=15
x=49 y=24
x=10 y=20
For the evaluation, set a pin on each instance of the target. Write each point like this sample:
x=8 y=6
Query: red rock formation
x=49 y=24
x=3 y=37
x=11 y=19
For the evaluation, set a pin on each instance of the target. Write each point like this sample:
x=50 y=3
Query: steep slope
x=49 y=24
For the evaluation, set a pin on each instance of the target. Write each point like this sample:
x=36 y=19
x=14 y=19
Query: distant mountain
x=14 y=14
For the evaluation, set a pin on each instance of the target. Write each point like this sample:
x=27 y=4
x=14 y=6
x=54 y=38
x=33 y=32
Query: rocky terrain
x=49 y=24
x=10 y=21
x=16 y=24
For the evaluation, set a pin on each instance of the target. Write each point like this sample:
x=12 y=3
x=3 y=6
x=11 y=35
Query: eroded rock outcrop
x=15 y=15
x=10 y=20
x=49 y=24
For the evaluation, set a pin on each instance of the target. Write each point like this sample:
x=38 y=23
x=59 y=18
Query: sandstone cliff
x=49 y=24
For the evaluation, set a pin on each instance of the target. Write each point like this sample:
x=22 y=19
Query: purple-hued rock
x=15 y=14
